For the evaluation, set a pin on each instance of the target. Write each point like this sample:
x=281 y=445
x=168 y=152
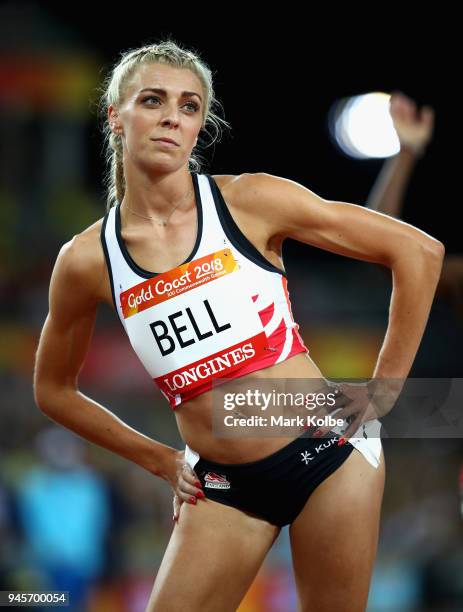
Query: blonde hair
x=112 y=92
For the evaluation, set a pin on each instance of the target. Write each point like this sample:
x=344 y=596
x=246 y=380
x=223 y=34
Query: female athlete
x=217 y=306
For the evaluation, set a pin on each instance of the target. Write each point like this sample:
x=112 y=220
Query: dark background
x=277 y=71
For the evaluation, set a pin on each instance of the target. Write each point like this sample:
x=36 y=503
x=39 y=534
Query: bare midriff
x=195 y=417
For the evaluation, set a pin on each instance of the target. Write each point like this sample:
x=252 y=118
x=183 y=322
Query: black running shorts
x=277 y=487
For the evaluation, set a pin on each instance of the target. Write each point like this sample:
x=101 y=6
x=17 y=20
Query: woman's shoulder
x=84 y=258
x=241 y=192
x=223 y=180
x=89 y=240
x=273 y=200
x=235 y=188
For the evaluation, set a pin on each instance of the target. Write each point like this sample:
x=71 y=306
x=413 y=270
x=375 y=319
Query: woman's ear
x=114 y=123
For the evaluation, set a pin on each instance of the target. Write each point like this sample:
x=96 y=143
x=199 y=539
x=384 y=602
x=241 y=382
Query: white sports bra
x=222 y=313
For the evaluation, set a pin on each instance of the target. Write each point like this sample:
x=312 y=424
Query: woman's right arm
x=64 y=341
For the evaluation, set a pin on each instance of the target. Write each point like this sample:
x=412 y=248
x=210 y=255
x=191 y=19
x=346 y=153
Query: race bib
x=182 y=335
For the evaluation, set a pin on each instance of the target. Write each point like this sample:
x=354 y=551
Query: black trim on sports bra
x=108 y=261
x=133 y=264
x=235 y=235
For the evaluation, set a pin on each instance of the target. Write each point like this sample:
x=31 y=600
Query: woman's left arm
x=415 y=258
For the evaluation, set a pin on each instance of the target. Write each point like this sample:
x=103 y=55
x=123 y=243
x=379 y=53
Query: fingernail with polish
x=193 y=500
x=198 y=484
x=200 y=494
x=341 y=441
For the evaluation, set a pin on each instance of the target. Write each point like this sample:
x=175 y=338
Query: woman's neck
x=158 y=195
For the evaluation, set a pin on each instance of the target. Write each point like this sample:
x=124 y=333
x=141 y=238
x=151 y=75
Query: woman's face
x=146 y=115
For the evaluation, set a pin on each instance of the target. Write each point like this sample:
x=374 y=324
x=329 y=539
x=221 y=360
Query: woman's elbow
x=45 y=396
x=40 y=396
x=434 y=249
x=426 y=249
